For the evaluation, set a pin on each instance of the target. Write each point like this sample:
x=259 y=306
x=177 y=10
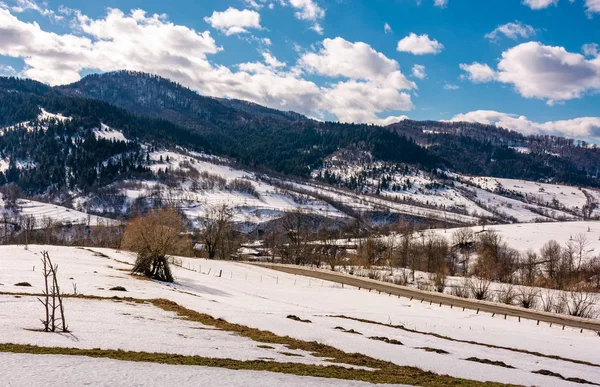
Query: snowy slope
x=36 y=370
x=563 y=196
x=107 y=133
x=260 y=298
x=40 y=122
x=41 y=211
x=533 y=236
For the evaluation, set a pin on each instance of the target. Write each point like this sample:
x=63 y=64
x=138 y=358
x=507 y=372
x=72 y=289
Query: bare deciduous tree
x=216 y=230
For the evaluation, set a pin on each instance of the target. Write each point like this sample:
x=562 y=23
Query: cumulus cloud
x=418 y=71
x=591 y=49
x=441 y=3
x=308 y=10
x=584 y=128
x=233 y=21
x=478 y=73
x=450 y=86
x=354 y=101
x=592 y=6
x=374 y=82
x=387 y=28
x=359 y=61
x=543 y=72
x=513 y=31
x=539 y=4
x=6 y=70
x=419 y=45
x=366 y=84
x=31 y=5
x=547 y=72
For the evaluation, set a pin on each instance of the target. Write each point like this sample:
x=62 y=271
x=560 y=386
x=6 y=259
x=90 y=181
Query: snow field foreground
x=35 y=370
x=262 y=299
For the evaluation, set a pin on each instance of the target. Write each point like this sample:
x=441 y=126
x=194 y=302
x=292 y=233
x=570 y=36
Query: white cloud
x=585 y=128
x=418 y=71
x=271 y=61
x=153 y=44
x=233 y=21
x=387 y=28
x=441 y=3
x=392 y=120
x=478 y=73
x=307 y=10
x=340 y=58
x=512 y=30
x=547 y=72
x=419 y=45
x=449 y=86
x=591 y=49
x=539 y=4
x=543 y=72
x=26 y=5
x=256 y=4
x=374 y=81
x=355 y=101
x=6 y=70
x=317 y=28
x=592 y=6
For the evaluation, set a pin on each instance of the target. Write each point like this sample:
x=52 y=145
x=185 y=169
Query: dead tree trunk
x=53 y=300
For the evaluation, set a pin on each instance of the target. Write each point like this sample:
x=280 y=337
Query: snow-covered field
x=41 y=211
x=36 y=370
x=260 y=298
x=532 y=236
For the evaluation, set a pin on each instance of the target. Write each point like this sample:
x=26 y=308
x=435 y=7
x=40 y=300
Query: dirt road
x=438 y=298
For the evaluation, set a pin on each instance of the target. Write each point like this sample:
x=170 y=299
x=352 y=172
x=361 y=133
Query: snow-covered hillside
x=107 y=133
x=503 y=199
x=438 y=339
x=41 y=122
x=41 y=211
x=532 y=236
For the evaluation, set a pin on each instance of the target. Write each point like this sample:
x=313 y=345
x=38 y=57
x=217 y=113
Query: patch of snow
x=107 y=133
x=20 y=370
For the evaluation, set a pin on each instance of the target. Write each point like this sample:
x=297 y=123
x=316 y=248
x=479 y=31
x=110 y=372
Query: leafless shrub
x=549 y=300
x=399 y=280
x=560 y=305
x=507 y=295
x=423 y=284
x=480 y=288
x=461 y=291
x=528 y=297
x=580 y=303
x=374 y=274
x=439 y=280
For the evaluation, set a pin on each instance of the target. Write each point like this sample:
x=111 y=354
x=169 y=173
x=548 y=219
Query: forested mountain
x=465 y=147
x=488 y=150
x=49 y=154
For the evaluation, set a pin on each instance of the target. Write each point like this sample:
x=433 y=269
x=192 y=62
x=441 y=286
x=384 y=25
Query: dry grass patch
x=371 y=370
x=533 y=353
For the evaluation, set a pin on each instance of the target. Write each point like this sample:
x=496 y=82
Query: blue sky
x=539 y=72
